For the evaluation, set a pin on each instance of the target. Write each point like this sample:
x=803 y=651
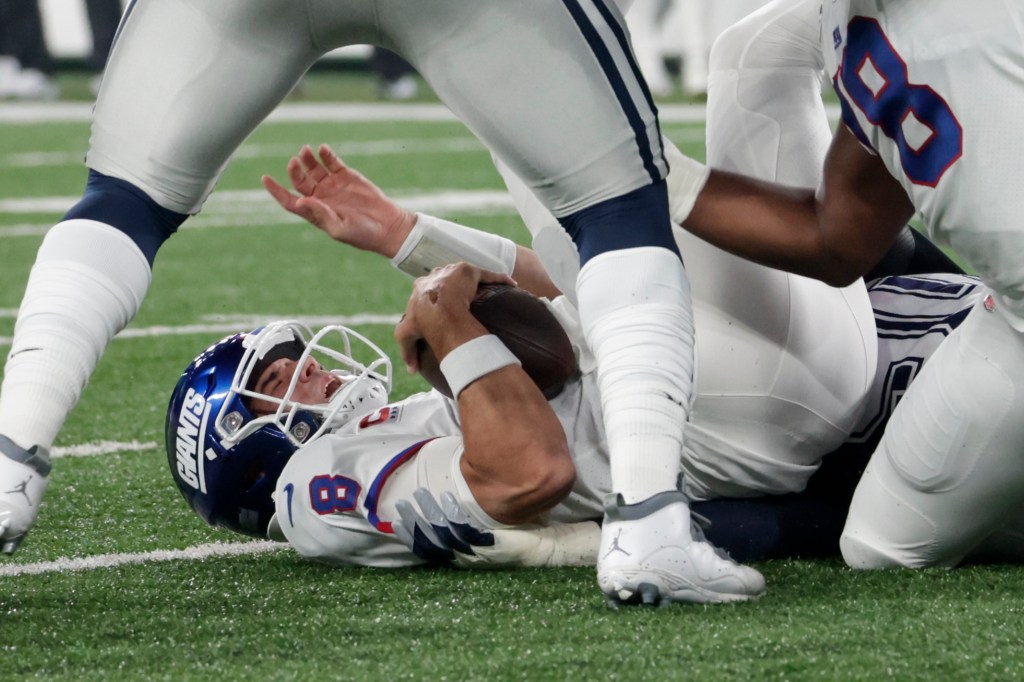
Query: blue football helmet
x=226 y=458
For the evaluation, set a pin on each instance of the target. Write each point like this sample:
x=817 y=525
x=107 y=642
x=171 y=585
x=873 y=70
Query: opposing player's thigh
x=950 y=467
x=187 y=81
x=549 y=85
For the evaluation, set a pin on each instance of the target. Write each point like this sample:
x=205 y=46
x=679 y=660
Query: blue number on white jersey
x=333 y=494
x=874 y=77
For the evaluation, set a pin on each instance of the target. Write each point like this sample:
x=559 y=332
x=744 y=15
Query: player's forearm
x=770 y=224
x=517 y=460
x=529 y=274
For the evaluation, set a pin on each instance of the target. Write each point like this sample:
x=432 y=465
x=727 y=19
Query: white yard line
x=373 y=148
x=91 y=563
x=79 y=112
x=27 y=113
x=230 y=324
x=347 y=150
x=253 y=208
x=103 y=447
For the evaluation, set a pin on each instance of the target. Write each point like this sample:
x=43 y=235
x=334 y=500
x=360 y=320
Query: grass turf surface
x=273 y=616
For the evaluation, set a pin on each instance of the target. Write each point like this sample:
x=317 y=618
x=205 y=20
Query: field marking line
x=352 y=148
x=307 y=112
x=255 y=208
x=249 y=201
x=102 y=447
x=90 y=563
x=236 y=323
x=346 y=149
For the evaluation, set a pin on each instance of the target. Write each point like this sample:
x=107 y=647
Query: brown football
x=526 y=326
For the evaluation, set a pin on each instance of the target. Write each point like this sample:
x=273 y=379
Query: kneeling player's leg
x=774 y=526
x=805 y=524
x=950 y=468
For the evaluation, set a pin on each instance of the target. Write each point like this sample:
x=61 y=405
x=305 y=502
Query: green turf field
x=120 y=581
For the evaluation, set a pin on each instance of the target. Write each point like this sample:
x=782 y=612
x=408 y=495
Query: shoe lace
x=698 y=524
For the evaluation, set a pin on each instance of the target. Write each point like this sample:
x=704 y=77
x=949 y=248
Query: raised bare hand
x=342 y=202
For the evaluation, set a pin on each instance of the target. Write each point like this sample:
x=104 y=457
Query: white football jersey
x=335 y=497
x=935 y=89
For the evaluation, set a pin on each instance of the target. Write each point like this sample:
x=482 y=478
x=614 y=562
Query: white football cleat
x=23 y=480
x=651 y=554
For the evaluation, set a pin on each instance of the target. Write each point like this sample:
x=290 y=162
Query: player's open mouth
x=333 y=384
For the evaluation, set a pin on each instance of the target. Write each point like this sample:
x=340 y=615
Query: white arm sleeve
x=434 y=242
x=686 y=178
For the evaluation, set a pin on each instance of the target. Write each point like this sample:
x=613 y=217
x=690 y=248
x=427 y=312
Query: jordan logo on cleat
x=616 y=546
x=22 y=488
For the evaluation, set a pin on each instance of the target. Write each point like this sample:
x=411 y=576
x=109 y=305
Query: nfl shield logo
x=989 y=303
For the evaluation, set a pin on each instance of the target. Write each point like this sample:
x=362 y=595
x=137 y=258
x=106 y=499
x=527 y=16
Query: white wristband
x=473 y=359
x=433 y=242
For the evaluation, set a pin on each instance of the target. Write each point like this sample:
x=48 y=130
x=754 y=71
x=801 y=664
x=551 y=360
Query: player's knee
x=862 y=554
x=632 y=220
x=124 y=206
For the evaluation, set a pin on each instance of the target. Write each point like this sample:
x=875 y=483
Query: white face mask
x=367 y=381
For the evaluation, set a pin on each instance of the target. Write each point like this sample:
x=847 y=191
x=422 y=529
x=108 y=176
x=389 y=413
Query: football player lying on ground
x=814 y=346
x=506 y=461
